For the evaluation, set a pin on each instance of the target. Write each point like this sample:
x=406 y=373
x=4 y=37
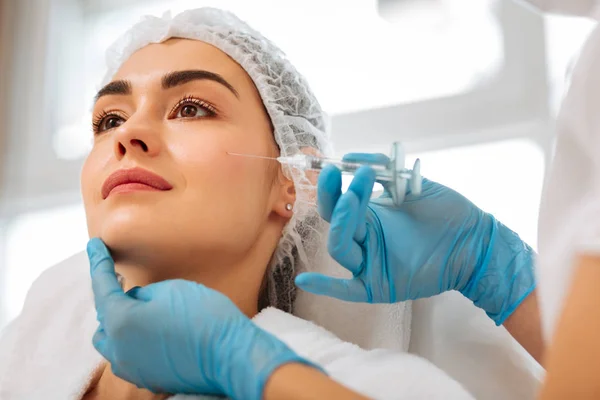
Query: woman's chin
x=131 y=242
x=121 y=227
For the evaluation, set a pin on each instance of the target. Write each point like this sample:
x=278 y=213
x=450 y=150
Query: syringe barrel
x=382 y=173
x=318 y=163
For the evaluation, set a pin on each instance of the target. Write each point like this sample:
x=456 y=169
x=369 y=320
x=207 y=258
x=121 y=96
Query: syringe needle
x=252 y=156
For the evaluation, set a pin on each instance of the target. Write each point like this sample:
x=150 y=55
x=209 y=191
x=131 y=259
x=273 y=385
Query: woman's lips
x=133 y=180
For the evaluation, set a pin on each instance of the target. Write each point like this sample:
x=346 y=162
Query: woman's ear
x=287 y=191
x=284 y=205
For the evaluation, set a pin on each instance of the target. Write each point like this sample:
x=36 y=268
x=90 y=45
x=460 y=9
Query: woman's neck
x=240 y=283
x=237 y=275
x=108 y=386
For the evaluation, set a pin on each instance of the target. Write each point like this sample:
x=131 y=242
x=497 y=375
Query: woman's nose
x=136 y=138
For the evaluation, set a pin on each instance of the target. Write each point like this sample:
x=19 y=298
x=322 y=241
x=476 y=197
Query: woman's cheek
x=89 y=173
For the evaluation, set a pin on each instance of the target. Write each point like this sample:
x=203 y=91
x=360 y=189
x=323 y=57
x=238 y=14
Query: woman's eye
x=107 y=123
x=191 y=111
x=112 y=122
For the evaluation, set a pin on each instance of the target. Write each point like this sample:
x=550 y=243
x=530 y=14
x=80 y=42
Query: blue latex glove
x=178 y=336
x=433 y=243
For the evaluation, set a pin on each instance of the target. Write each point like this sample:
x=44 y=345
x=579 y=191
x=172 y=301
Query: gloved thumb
x=329 y=190
x=342 y=289
x=105 y=283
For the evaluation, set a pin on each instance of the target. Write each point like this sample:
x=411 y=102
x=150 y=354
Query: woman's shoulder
x=381 y=373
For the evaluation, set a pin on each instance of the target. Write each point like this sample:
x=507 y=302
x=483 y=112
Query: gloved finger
x=362 y=187
x=140 y=293
x=343 y=289
x=341 y=244
x=329 y=190
x=105 y=284
x=133 y=292
x=370 y=158
x=376 y=159
x=101 y=343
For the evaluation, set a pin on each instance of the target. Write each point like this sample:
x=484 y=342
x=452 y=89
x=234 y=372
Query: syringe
x=393 y=174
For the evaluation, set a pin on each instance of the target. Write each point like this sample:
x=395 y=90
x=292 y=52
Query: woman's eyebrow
x=177 y=78
x=120 y=87
x=170 y=80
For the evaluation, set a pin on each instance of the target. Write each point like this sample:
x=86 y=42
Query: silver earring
x=288 y=207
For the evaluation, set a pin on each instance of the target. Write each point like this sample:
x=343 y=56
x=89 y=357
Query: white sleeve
x=569 y=222
x=384 y=374
x=587 y=236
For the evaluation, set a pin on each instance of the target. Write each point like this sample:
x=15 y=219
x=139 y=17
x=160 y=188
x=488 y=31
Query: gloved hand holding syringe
x=393 y=174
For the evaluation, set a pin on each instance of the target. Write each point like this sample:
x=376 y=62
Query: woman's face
x=176 y=109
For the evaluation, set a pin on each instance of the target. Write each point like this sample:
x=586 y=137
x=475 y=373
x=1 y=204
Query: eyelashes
x=99 y=121
x=194 y=101
x=186 y=108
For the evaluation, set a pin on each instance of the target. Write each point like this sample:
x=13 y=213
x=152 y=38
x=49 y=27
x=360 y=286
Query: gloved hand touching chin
x=430 y=244
x=180 y=337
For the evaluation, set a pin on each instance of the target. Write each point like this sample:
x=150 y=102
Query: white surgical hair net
x=570 y=210
x=298 y=120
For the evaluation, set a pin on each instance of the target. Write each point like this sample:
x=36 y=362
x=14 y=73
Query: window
x=503 y=178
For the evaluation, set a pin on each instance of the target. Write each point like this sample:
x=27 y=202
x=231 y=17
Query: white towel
x=447 y=330
x=464 y=342
x=381 y=325
x=47 y=352
x=380 y=374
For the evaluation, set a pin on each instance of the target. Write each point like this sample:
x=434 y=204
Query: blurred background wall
x=471 y=87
